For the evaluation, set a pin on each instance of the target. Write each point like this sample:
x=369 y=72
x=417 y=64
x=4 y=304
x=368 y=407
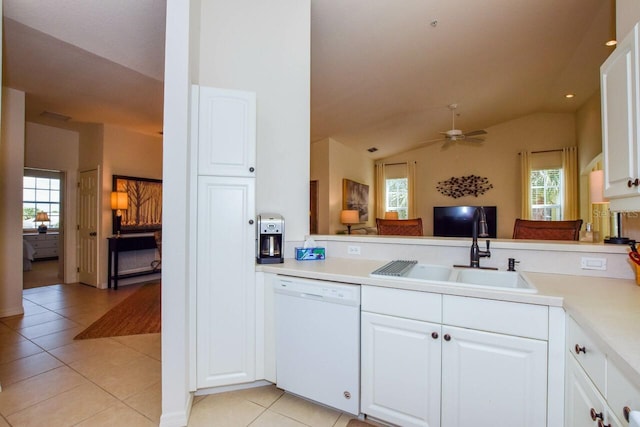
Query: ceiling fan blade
x=476 y=132
x=474 y=139
x=428 y=142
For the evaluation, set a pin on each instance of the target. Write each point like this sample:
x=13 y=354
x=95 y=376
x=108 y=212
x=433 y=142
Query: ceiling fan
x=456 y=134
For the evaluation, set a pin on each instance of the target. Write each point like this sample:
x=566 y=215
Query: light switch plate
x=593 y=263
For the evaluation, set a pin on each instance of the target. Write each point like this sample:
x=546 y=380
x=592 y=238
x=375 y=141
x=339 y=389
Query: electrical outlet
x=593 y=263
x=353 y=250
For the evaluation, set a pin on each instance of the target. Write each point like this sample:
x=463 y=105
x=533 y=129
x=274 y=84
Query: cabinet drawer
x=526 y=320
x=44 y=244
x=592 y=358
x=402 y=303
x=621 y=392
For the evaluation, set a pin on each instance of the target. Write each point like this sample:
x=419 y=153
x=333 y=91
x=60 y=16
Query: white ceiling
x=382 y=75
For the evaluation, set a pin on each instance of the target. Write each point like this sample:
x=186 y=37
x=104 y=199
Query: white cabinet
x=45 y=245
x=492 y=379
x=223 y=151
x=584 y=405
x=226 y=132
x=620 y=119
x=596 y=390
x=225 y=308
x=445 y=362
x=400 y=360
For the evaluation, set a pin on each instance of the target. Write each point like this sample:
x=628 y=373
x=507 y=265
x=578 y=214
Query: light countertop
x=609 y=309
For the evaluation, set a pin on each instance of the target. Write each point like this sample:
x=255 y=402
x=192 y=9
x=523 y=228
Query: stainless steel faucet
x=479 y=229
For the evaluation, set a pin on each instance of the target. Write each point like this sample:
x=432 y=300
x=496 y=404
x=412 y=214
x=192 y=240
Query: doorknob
x=93 y=234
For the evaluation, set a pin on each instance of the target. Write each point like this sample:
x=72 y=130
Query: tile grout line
x=64 y=364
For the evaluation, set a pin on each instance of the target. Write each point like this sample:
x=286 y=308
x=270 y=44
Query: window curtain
x=381 y=187
x=381 y=190
x=570 y=190
x=525 y=184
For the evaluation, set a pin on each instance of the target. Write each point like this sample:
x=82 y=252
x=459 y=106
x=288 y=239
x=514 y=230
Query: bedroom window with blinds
x=40 y=193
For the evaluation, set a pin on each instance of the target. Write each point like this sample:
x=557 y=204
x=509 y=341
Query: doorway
x=42 y=227
x=313 y=207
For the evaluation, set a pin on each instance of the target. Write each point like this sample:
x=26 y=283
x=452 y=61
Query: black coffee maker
x=270 y=239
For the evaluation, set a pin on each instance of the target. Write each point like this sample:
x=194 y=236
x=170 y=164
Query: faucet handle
x=488 y=241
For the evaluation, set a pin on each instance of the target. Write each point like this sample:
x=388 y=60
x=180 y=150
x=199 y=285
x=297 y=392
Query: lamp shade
x=391 y=215
x=349 y=217
x=41 y=216
x=119 y=200
x=596 y=187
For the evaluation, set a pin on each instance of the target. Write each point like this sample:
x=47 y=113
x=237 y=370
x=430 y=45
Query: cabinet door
x=400 y=378
x=226 y=132
x=225 y=281
x=582 y=400
x=619 y=80
x=492 y=380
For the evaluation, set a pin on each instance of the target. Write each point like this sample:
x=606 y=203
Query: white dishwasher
x=318 y=341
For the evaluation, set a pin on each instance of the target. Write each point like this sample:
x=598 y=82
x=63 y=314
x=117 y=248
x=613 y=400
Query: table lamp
x=349 y=217
x=42 y=217
x=119 y=202
x=391 y=215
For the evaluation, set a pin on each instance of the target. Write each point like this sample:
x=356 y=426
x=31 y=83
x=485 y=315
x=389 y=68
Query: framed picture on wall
x=355 y=196
x=144 y=210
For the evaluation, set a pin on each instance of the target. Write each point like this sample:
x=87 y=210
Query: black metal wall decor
x=470 y=185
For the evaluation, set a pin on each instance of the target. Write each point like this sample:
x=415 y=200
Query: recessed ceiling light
x=611 y=43
x=569 y=95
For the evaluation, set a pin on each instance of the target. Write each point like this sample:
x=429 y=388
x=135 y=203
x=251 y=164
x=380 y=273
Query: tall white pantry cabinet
x=224 y=151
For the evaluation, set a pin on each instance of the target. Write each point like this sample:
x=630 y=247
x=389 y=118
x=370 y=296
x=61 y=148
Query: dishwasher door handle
x=312 y=296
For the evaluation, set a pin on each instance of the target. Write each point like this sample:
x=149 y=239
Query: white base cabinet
x=492 y=379
x=401 y=370
x=596 y=390
x=427 y=362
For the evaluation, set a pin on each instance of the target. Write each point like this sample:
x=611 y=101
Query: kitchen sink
x=429 y=272
x=470 y=277
x=511 y=280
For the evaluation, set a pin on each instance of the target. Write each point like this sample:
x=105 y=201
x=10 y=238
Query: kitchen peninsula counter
x=608 y=308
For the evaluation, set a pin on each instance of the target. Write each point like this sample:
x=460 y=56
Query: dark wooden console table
x=125 y=244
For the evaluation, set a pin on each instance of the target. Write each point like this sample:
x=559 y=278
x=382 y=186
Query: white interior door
x=88 y=227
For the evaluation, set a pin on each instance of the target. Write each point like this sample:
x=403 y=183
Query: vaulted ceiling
x=382 y=71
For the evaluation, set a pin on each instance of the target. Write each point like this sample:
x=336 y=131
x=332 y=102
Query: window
x=397 y=196
x=40 y=194
x=546 y=194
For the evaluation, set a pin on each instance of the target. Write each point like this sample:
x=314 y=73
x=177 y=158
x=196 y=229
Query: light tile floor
x=49 y=379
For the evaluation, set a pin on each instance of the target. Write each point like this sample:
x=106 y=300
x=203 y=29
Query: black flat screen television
x=457 y=221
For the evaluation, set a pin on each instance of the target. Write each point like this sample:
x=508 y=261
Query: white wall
x=11 y=165
x=264 y=47
x=319 y=171
x=124 y=153
x=497 y=159
x=627 y=14
x=331 y=162
x=48 y=147
x=246 y=45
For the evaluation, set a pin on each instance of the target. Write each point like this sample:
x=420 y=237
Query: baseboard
x=13 y=311
x=226 y=388
x=179 y=418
